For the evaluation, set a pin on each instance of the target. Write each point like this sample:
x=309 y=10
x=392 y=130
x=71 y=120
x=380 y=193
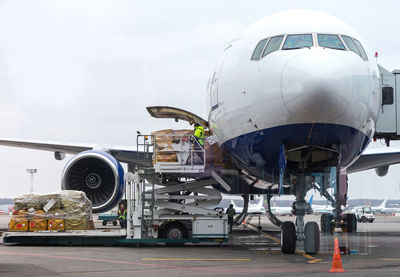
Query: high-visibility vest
x=199 y=135
x=122 y=215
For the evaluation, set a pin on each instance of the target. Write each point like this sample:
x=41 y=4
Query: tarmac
x=249 y=252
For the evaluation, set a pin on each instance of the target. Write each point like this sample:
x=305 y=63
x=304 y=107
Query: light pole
x=31 y=171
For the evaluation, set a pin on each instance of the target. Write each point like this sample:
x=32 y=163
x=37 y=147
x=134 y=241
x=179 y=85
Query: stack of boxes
x=63 y=211
x=164 y=152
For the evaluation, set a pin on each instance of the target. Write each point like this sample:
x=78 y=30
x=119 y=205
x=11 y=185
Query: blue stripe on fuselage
x=258 y=152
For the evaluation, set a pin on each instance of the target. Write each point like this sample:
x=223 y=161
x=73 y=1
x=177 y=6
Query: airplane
x=253 y=209
x=385 y=210
x=295 y=94
x=320 y=209
x=277 y=210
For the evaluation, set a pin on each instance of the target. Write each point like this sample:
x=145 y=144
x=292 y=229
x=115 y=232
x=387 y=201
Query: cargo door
x=177 y=114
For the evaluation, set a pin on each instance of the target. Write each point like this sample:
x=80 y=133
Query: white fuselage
x=307 y=96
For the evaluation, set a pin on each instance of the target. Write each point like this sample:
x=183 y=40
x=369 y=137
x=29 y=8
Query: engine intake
x=99 y=175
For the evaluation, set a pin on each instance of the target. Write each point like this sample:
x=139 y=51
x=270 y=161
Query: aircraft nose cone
x=317 y=87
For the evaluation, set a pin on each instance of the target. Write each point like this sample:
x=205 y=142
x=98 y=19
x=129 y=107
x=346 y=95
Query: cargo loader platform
x=92 y=237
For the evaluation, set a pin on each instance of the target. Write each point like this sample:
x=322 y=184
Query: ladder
x=145 y=148
x=148 y=206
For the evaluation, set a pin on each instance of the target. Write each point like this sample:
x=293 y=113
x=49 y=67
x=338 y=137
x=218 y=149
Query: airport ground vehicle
x=364 y=214
x=156 y=213
x=106 y=218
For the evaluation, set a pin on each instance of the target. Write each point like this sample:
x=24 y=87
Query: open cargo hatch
x=175 y=113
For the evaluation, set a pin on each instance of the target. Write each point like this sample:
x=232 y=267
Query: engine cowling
x=99 y=175
x=382 y=171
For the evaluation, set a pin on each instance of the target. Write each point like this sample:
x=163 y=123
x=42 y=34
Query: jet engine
x=382 y=170
x=99 y=175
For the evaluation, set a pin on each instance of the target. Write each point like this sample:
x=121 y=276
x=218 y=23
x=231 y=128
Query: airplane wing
x=375 y=158
x=122 y=154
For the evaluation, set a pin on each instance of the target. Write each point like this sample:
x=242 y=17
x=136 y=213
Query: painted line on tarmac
x=191 y=259
x=156 y=266
x=307 y=256
x=163 y=266
x=390 y=259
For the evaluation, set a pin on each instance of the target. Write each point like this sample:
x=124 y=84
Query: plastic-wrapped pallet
x=215 y=155
x=27 y=201
x=163 y=142
x=66 y=210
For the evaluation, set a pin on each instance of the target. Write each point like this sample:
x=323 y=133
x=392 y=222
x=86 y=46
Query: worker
x=122 y=215
x=199 y=143
x=231 y=212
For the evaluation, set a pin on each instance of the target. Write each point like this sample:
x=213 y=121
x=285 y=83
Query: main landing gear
x=347 y=222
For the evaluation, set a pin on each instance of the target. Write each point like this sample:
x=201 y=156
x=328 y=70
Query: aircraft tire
x=350 y=221
x=326 y=223
x=311 y=238
x=288 y=237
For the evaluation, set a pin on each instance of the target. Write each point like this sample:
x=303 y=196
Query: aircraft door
x=387 y=123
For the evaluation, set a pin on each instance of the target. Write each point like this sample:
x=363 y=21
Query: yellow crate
x=37 y=224
x=56 y=225
x=18 y=224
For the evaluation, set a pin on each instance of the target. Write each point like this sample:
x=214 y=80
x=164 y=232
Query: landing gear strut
x=309 y=233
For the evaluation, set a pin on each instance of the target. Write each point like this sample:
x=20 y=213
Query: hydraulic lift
x=166 y=203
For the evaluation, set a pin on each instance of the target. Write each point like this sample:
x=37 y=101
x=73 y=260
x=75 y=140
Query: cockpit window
x=355 y=46
x=273 y=44
x=259 y=48
x=330 y=41
x=297 y=41
x=350 y=44
x=361 y=49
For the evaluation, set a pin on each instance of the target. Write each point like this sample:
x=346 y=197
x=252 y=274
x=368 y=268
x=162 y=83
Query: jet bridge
x=388 y=123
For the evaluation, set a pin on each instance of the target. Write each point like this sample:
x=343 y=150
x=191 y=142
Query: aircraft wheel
x=288 y=237
x=350 y=223
x=311 y=238
x=353 y=222
x=326 y=223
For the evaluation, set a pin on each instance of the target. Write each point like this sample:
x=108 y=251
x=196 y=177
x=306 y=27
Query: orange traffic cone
x=336 y=261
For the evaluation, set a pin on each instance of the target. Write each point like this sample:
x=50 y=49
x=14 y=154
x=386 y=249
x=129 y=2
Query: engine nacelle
x=99 y=175
x=382 y=171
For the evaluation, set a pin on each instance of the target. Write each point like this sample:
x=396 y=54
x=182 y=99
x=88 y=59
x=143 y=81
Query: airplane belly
x=258 y=152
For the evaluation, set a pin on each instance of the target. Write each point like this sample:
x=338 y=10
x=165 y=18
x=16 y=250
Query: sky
x=84 y=71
